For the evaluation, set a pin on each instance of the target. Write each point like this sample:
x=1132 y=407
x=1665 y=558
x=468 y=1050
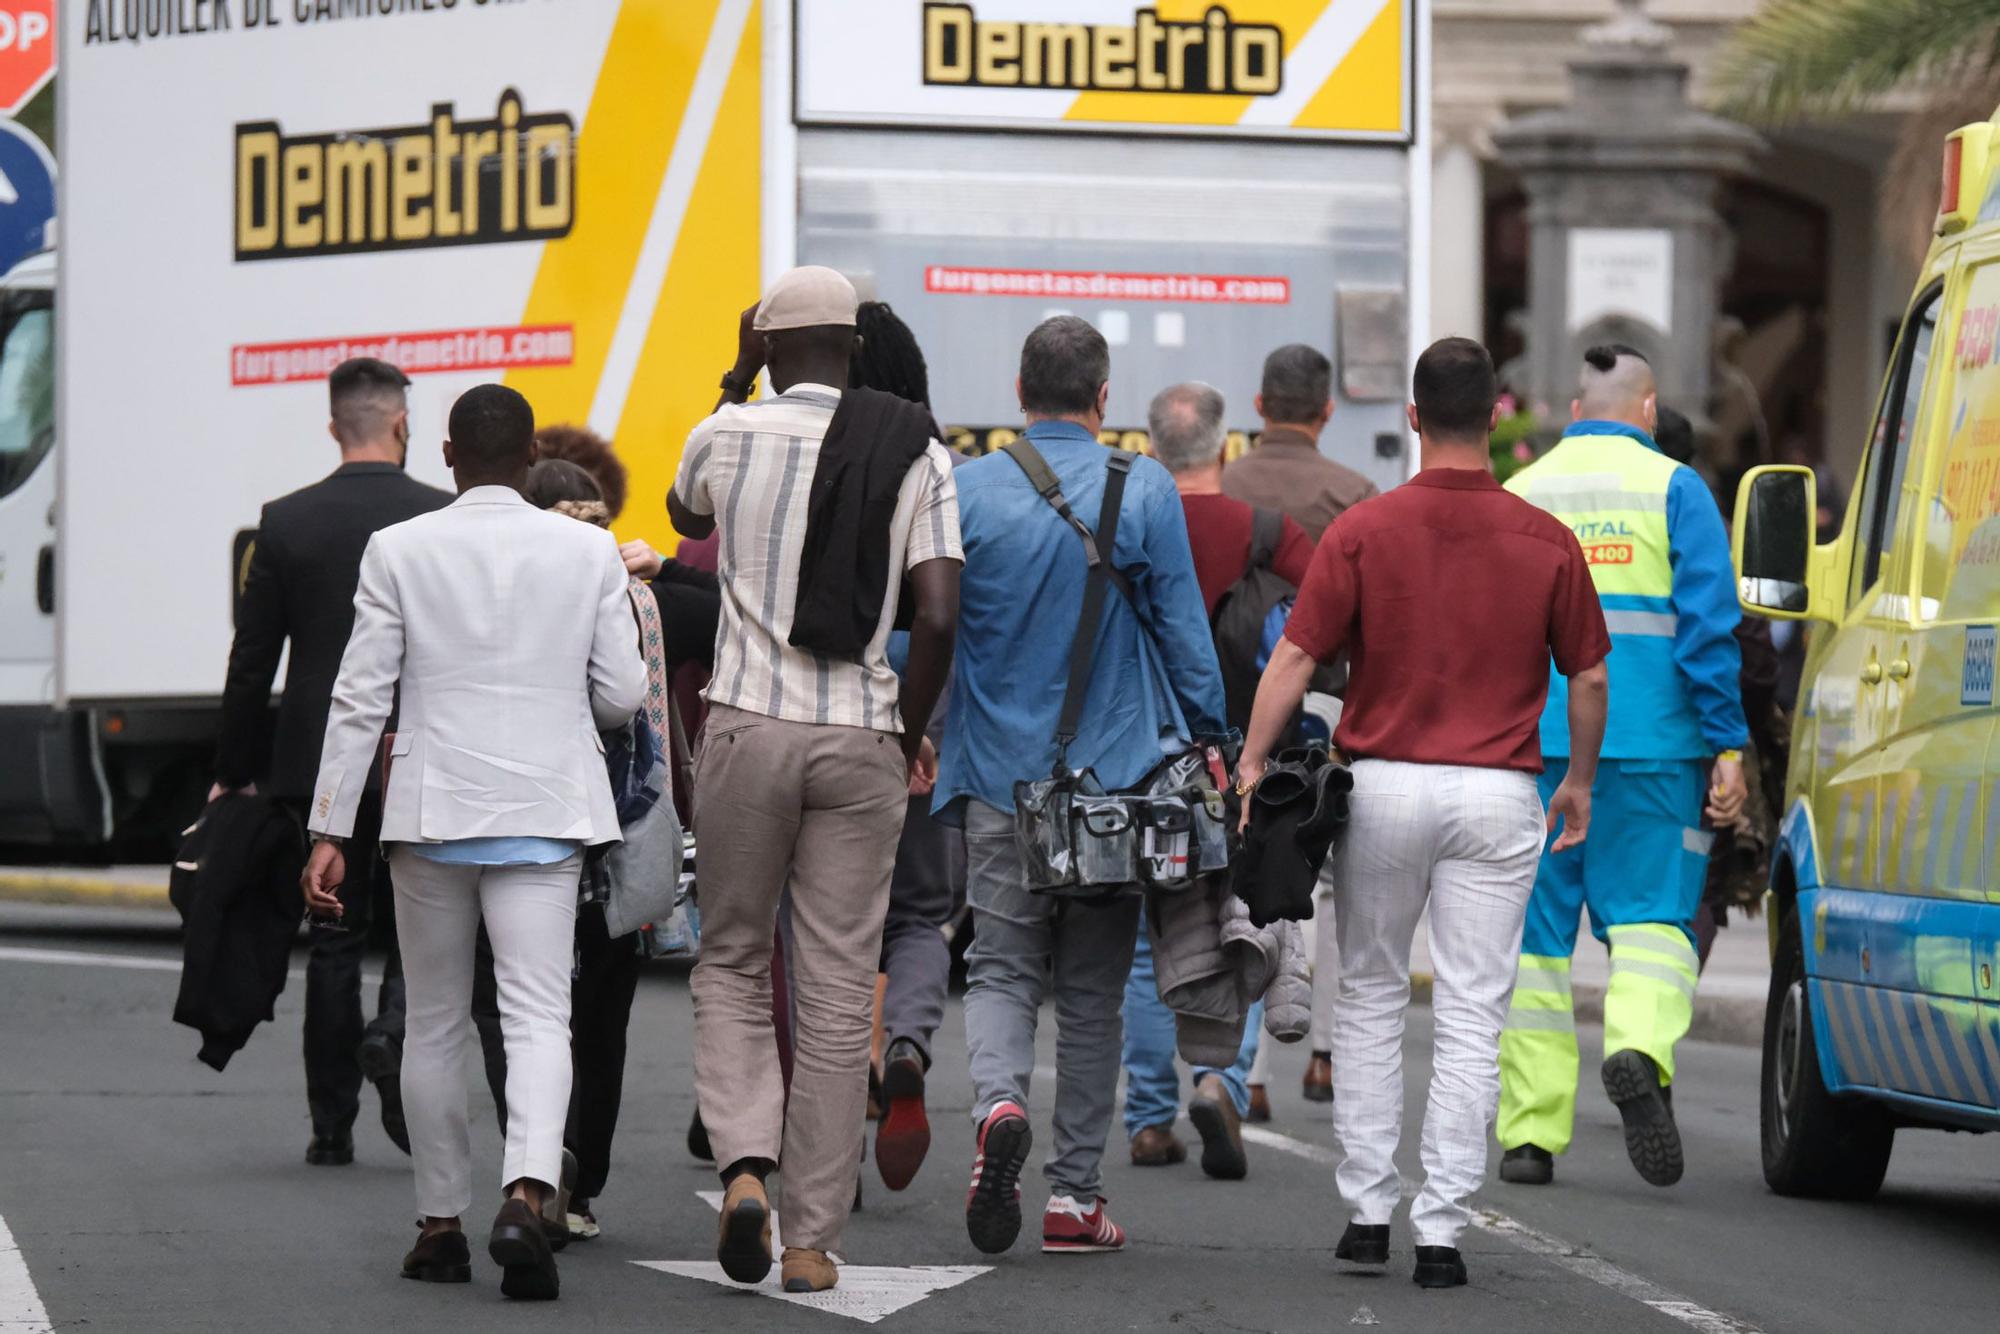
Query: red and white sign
x=27 y=50
x=1100 y=285
x=440 y=350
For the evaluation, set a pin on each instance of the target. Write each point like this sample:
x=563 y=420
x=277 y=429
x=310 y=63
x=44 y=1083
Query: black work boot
x=1528 y=1165
x=1652 y=1140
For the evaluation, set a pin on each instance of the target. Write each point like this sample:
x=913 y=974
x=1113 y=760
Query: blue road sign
x=27 y=194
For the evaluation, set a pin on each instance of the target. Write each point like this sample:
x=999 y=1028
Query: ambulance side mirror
x=1773 y=541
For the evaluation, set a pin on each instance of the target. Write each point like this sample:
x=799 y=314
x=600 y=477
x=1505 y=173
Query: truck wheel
x=1815 y=1144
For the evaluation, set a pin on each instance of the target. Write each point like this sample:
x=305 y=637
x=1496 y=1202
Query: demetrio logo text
x=1211 y=54
x=443 y=182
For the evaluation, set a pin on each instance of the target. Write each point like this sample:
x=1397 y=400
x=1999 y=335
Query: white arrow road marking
x=21 y=1309
x=867 y=1293
x=1576 y=1259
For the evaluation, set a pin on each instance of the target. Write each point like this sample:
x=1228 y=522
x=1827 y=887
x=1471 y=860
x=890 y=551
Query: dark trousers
x=607 y=977
x=334 y=1026
x=928 y=879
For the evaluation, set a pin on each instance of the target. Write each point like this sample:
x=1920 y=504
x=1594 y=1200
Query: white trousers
x=530 y=914
x=1467 y=842
x=1326 y=958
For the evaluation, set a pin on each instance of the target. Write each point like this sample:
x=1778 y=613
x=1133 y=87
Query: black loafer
x=1439 y=1267
x=330 y=1151
x=381 y=1060
x=520 y=1246
x=1528 y=1165
x=439 y=1257
x=1364 y=1244
x=698 y=1146
x=1652 y=1140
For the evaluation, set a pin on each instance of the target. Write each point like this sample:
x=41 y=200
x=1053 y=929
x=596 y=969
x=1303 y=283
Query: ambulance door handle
x=1872 y=673
x=1899 y=669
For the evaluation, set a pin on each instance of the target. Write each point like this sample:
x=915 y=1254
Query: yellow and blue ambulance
x=1884 y=1010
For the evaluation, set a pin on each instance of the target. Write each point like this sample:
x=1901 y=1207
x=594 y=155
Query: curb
x=1735 y=1020
x=82 y=890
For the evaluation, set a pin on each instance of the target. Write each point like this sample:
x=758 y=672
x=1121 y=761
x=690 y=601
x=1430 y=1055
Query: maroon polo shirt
x=1219 y=531
x=1450 y=595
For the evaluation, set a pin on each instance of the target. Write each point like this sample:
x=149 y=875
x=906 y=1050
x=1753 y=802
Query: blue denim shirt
x=1019 y=598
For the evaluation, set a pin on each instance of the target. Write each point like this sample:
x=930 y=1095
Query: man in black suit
x=300 y=586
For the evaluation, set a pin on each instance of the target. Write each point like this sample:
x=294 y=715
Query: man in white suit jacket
x=511 y=639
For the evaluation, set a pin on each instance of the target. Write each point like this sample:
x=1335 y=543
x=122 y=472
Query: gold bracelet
x=1733 y=756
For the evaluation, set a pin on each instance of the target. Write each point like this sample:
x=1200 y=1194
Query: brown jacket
x=1287 y=472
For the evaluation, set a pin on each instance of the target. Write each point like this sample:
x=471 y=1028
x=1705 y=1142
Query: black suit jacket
x=300 y=586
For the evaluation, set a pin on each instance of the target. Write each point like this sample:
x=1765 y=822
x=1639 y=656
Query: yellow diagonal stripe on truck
x=641 y=94
x=713 y=275
x=1292 y=17
x=1365 y=90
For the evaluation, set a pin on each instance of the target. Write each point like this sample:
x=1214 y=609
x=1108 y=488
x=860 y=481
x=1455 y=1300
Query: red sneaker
x=993 y=1202
x=1069 y=1229
x=904 y=1136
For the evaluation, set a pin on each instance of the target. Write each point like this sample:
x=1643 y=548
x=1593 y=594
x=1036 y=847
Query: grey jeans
x=1024 y=946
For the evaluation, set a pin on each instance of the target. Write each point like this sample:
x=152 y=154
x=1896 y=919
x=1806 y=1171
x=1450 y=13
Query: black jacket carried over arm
x=844 y=573
x=237 y=889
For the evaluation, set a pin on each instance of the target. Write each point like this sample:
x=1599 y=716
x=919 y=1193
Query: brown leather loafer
x=1156 y=1146
x=520 y=1246
x=439 y=1257
x=1221 y=1129
x=808 y=1271
x=1319 y=1078
x=743 y=1243
x=1260 y=1105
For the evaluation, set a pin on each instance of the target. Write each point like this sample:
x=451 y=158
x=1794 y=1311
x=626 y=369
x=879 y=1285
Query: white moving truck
x=579 y=196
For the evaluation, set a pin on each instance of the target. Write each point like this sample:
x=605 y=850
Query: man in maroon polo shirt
x=1450 y=596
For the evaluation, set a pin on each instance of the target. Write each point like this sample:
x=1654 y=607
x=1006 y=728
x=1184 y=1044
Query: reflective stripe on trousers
x=1538 y=1057
x=1650 y=1002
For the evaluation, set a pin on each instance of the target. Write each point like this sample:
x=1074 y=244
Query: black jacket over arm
x=300 y=586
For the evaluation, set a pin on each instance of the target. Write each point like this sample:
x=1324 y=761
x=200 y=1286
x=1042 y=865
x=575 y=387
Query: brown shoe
x=1214 y=1116
x=1260 y=1105
x=743 y=1245
x=439 y=1257
x=1155 y=1146
x=1319 y=1077
x=520 y=1246
x=808 y=1271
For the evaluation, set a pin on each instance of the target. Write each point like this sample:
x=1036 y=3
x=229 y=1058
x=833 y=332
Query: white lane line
x=21 y=1309
x=1576 y=1259
x=868 y=1293
x=151 y=963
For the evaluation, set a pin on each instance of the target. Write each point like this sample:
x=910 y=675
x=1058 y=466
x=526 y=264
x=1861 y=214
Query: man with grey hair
x=1153 y=677
x=1287 y=471
x=1231 y=543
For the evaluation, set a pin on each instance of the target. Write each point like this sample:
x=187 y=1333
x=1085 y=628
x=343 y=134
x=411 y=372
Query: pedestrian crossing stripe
x=868 y=1293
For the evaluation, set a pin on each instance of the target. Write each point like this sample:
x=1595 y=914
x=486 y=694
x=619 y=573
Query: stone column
x=1458 y=240
x=1625 y=242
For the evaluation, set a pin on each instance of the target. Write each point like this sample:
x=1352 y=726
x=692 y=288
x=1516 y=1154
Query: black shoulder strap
x=1097 y=549
x=1267 y=529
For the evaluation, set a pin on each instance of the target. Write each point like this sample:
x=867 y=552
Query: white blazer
x=512 y=639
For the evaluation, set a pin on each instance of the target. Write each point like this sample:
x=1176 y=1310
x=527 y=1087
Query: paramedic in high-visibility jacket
x=1659 y=556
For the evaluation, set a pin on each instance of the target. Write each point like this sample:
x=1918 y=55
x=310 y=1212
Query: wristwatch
x=741 y=388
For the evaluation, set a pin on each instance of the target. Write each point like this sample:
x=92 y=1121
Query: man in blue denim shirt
x=1154 y=686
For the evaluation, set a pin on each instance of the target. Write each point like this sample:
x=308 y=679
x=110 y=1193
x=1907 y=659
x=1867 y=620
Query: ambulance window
x=27 y=390
x=1889 y=451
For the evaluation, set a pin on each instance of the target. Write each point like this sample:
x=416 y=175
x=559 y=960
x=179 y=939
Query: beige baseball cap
x=806 y=296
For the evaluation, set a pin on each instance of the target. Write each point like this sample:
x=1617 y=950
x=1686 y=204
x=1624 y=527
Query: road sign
x=27 y=194
x=27 y=50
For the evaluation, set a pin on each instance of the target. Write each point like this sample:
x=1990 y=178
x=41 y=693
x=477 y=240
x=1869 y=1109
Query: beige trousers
x=819 y=808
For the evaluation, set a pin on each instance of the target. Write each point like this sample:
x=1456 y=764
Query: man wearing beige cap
x=811 y=747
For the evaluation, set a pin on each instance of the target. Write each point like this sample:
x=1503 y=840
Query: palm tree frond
x=1831 y=55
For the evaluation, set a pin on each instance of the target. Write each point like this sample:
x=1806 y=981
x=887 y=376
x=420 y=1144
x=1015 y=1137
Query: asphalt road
x=146 y=1192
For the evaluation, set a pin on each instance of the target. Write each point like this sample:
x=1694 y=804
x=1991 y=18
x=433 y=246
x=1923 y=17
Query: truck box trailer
x=579 y=198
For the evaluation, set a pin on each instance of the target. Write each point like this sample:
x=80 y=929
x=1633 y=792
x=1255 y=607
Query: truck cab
x=1884 y=1009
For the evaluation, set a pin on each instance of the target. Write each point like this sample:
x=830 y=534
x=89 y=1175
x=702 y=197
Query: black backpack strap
x=1084 y=647
x=1267 y=529
x=1101 y=573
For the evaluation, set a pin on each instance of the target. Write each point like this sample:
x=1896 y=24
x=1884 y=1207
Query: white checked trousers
x=1467 y=842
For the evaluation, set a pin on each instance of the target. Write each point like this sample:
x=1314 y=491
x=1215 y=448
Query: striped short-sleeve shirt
x=751 y=466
